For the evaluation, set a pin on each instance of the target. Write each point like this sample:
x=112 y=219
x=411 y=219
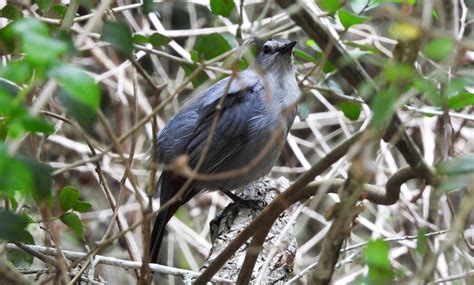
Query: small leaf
x=72 y=220
x=119 y=35
x=157 y=40
x=303 y=110
x=147 y=6
x=68 y=197
x=428 y=89
x=140 y=39
x=328 y=67
x=405 y=31
x=421 y=242
x=304 y=55
x=457 y=166
x=199 y=79
x=330 y=6
x=383 y=107
x=18 y=257
x=60 y=10
x=11 y=12
x=17 y=71
x=14 y=175
x=314 y=45
x=398 y=72
x=348 y=19
x=376 y=257
x=36 y=125
x=83 y=114
x=78 y=84
x=40 y=48
x=461 y=100
x=42 y=178
x=212 y=45
x=438 y=49
x=350 y=109
x=82 y=206
x=43 y=4
x=222 y=7
x=12 y=226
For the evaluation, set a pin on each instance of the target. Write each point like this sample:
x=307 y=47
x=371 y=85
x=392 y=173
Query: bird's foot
x=249 y=203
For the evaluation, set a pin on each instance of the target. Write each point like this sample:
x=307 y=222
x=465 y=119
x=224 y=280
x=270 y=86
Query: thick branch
x=275 y=262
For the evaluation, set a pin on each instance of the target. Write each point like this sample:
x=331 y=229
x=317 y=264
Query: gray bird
x=258 y=102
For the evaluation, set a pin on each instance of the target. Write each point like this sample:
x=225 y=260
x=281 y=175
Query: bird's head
x=276 y=55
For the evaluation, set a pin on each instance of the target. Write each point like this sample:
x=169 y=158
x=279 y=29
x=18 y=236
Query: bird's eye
x=266 y=49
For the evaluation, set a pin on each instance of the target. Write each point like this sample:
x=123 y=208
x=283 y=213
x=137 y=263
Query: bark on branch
x=275 y=262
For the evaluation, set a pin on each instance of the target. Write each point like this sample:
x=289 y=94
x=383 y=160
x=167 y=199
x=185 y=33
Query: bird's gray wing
x=243 y=103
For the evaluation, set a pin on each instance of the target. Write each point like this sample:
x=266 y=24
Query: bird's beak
x=287 y=48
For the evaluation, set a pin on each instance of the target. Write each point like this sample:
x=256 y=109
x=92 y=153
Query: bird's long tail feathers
x=169 y=184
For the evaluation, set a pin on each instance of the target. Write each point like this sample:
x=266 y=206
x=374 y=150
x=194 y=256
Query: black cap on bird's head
x=276 y=54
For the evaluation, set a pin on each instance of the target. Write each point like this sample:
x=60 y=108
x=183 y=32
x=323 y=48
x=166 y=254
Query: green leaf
x=43 y=4
x=36 y=125
x=304 y=55
x=452 y=183
x=303 y=110
x=29 y=26
x=16 y=71
x=157 y=39
x=12 y=226
x=83 y=114
x=330 y=6
x=360 y=6
x=428 y=89
x=328 y=67
x=222 y=7
x=11 y=12
x=119 y=35
x=199 y=79
x=72 y=220
x=147 y=6
x=8 y=42
x=438 y=49
x=14 y=175
x=82 y=206
x=42 y=179
x=461 y=100
x=350 y=109
x=348 y=19
x=383 y=107
x=19 y=258
x=60 y=10
x=68 y=197
x=78 y=84
x=376 y=258
x=457 y=166
x=312 y=44
x=140 y=39
x=212 y=45
x=421 y=242
x=398 y=72
x=457 y=85
x=405 y=31
x=40 y=48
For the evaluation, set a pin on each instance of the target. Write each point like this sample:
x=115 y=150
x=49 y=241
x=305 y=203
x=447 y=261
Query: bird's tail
x=169 y=184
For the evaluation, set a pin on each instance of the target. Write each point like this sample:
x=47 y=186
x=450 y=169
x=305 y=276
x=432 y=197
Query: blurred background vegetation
x=85 y=86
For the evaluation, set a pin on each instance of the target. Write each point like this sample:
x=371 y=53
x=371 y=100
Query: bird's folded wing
x=242 y=103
